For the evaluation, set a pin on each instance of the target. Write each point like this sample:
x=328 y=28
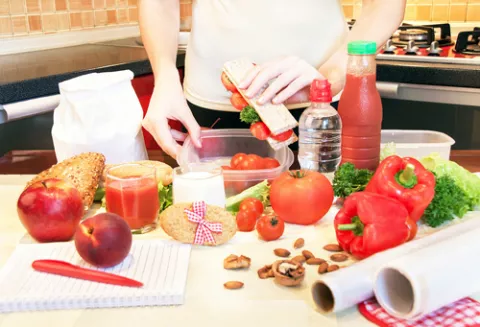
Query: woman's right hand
x=168 y=102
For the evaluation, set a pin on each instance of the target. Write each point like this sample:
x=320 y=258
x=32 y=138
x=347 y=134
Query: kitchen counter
x=33 y=162
x=36 y=74
x=207 y=303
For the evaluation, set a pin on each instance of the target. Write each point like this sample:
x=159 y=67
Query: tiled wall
x=32 y=17
x=428 y=10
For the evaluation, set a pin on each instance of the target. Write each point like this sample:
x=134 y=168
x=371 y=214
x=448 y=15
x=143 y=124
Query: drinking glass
x=131 y=191
x=199 y=182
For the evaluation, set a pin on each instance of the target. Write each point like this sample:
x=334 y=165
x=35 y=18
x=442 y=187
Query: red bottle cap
x=320 y=91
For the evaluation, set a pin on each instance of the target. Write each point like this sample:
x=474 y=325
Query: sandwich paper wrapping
x=345 y=288
x=428 y=279
x=99 y=112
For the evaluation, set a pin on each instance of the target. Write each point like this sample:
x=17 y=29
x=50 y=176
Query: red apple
x=50 y=210
x=103 y=240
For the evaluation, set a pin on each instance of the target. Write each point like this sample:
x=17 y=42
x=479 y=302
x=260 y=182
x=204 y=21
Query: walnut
x=236 y=262
x=265 y=272
x=288 y=272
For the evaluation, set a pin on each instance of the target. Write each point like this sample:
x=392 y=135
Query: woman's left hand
x=292 y=75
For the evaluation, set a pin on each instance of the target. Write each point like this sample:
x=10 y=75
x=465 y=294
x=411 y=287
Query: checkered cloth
x=463 y=313
x=205 y=228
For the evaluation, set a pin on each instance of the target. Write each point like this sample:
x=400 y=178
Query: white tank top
x=260 y=30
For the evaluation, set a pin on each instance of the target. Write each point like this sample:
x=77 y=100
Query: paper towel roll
x=422 y=282
x=345 y=288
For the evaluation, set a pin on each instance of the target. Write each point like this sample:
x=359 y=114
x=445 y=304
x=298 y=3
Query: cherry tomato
x=237 y=101
x=252 y=204
x=250 y=162
x=246 y=220
x=270 y=163
x=270 y=227
x=260 y=130
x=227 y=83
x=282 y=136
x=412 y=226
x=236 y=159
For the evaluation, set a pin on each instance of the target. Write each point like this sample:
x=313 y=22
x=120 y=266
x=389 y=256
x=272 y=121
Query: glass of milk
x=199 y=182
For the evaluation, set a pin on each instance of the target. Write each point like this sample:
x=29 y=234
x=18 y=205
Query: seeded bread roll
x=83 y=171
x=175 y=223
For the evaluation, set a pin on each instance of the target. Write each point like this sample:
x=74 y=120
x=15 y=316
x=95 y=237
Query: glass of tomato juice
x=131 y=191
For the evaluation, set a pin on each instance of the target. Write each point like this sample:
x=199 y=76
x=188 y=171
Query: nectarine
x=103 y=240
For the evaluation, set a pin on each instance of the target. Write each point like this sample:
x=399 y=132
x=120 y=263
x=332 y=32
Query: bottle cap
x=320 y=91
x=362 y=48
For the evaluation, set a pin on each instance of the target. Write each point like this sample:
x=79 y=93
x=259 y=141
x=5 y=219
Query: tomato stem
x=297 y=174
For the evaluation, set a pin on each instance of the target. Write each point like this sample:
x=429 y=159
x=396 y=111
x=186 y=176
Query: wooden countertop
x=35 y=161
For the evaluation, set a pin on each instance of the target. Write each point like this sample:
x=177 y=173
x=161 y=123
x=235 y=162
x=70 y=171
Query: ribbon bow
x=204 y=228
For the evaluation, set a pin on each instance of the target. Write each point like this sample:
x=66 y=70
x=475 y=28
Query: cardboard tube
x=344 y=288
x=422 y=282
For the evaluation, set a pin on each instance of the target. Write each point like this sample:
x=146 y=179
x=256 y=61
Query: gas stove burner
x=413 y=35
x=422 y=35
x=468 y=42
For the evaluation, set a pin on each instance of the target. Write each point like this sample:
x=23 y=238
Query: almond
x=322 y=268
x=315 y=261
x=299 y=259
x=281 y=253
x=333 y=268
x=339 y=257
x=333 y=248
x=233 y=285
x=307 y=254
x=299 y=243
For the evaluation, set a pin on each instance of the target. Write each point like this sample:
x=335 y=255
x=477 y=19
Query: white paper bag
x=99 y=112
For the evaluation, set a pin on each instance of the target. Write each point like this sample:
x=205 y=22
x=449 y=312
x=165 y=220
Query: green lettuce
x=467 y=181
x=388 y=150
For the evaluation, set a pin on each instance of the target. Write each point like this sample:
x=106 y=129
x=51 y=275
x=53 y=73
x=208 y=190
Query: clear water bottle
x=320 y=130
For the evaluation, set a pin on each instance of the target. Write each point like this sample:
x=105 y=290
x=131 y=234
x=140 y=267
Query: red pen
x=67 y=269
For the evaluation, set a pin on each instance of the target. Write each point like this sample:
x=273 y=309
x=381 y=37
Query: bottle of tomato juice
x=360 y=108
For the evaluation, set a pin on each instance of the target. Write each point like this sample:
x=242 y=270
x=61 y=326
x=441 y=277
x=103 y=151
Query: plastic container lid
x=362 y=48
x=320 y=91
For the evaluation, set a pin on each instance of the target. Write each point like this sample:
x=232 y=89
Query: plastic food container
x=220 y=145
x=418 y=143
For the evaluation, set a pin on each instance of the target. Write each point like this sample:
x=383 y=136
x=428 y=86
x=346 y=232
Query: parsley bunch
x=449 y=201
x=348 y=180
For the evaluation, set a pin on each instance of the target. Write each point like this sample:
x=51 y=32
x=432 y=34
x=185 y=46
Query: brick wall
x=20 y=18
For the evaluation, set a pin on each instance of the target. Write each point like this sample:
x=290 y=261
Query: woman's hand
x=168 y=102
x=292 y=75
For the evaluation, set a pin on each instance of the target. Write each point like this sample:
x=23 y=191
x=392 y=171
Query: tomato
x=270 y=228
x=250 y=162
x=260 y=130
x=246 y=220
x=227 y=168
x=282 y=136
x=227 y=83
x=236 y=159
x=237 y=101
x=252 y=204
x=412 y=226
x=269 y=163
x=301 y=197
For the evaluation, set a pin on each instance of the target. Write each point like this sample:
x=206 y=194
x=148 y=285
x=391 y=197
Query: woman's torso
x=261 y=30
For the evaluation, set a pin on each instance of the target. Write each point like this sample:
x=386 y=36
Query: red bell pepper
x=406 y=180
x=369 y=223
